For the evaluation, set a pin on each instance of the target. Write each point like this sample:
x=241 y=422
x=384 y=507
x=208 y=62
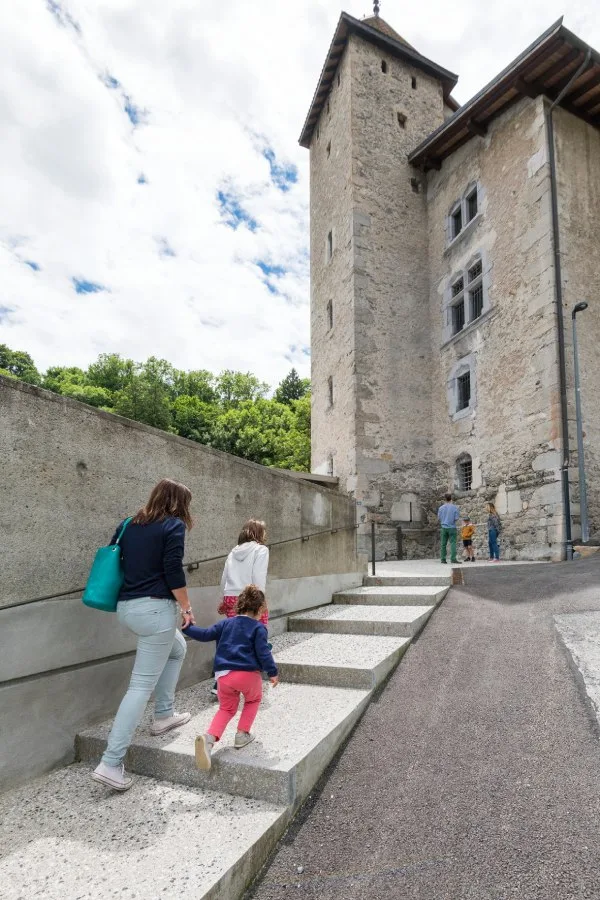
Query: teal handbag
x=106 y=576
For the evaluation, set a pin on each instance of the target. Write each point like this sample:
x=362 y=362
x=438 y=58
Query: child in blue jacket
x=242 y=653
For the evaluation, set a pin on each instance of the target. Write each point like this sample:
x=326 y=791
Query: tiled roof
x=381 y=25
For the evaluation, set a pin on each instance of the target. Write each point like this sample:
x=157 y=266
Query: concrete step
x=407 y=580
x=393 y=595
x=298 y=730
x=64 y=837
x=341 y=660
x=393 y=621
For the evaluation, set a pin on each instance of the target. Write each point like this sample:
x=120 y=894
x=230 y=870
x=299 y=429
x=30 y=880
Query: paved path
x=476 y=774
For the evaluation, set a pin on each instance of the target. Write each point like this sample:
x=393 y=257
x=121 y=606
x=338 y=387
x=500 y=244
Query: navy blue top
x=152 y=559
x=242 y=644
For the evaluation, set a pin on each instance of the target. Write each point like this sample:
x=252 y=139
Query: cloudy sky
x=153 y=196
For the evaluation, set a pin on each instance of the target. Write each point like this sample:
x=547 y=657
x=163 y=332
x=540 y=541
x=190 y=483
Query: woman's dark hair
x=168 y=498
x=250 y=601
x=253 y=530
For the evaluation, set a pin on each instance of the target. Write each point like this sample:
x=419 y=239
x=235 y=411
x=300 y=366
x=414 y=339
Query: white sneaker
x=203 y=749
x=242 y=738
x=160 y=726
x=113 y=776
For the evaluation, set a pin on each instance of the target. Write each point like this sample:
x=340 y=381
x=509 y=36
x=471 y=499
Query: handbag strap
x=125 y=524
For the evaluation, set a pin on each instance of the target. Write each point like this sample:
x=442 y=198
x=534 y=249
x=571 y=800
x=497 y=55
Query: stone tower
x=370 y=316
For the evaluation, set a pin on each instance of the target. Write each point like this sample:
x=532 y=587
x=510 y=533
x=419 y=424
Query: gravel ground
x=476 y=773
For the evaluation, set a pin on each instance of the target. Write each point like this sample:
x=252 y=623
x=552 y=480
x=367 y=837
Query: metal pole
x=585 y=528
x=372 y=548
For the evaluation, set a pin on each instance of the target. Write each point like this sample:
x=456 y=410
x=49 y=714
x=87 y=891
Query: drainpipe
x=558 y=297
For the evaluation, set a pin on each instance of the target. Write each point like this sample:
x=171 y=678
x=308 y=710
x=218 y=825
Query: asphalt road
x=476 y=773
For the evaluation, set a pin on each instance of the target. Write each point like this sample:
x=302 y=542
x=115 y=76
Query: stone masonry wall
x=392 y=326
x=512 y=428
x=578 y=171
x=69 y=474
x=333 y=430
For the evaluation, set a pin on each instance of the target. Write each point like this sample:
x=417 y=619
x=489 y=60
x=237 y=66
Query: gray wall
x=69 y=474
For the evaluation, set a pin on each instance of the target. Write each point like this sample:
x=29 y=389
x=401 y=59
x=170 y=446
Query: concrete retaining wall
x=69 y=474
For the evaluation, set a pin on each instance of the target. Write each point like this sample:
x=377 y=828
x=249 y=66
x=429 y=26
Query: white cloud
x=216 y=84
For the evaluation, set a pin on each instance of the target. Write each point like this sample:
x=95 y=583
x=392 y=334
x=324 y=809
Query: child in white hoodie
x=246 y=564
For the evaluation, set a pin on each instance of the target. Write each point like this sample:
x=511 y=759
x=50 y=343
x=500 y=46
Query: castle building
x=449 y=245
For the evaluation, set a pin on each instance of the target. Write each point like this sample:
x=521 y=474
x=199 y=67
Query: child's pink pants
x=229 y=688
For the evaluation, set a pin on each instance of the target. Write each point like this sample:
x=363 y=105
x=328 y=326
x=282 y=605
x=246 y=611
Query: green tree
x=60 y=378
x=146 y=396
x=110 y=371
x=194 y=418
x=20 y=364
x=266 y=432
x=198 y=383
x=292 y=388
x=90 y=394
x=234 y=388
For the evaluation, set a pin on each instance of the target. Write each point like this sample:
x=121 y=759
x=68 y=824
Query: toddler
x=466 y=533
x=242 y=653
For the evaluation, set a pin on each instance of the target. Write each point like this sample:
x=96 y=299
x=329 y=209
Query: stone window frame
x=461 y=367
x=462 y=208
x=451 y=299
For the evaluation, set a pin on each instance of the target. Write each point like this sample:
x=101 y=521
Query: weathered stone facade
x=393 y=356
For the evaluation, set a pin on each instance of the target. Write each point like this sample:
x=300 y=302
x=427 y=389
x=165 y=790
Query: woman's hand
x=187 y=617
x=274 y=679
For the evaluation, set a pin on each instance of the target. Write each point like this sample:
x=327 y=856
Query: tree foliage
x=230 y=411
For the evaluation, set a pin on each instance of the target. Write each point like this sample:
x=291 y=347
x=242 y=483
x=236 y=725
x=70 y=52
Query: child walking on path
x=242 y=652
x=466 y=533
x=246 y=564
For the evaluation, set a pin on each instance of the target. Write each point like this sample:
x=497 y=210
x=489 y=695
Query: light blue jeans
x=158 y=661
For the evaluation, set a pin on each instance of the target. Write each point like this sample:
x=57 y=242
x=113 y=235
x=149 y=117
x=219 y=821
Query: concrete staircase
x=331 y=661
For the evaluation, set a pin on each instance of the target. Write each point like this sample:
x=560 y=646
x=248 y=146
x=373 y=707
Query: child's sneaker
x=214 y=693
x=242 y=738
x=203 y=748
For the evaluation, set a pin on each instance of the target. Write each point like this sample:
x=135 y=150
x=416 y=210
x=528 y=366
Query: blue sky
x=154 y=196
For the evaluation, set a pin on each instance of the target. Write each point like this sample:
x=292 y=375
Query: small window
x=474 y=276
x=328 y=109
x=330 y=465
x=471 y=205
x=330 y=390
x=463 y=385
x=329 y=149
x=318 y=132
x=413 y=82
x=457 y=310
x=339 y=79
x=415 y=185
x=456 y=222
x=458 y=316
x=329 y=246
x=458 y=287
x=464 y=473
x=330 y=315
x=401 y=120
x=384 y=66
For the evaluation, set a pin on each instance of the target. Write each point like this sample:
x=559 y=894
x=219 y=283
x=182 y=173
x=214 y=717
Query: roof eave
x=419 y=155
